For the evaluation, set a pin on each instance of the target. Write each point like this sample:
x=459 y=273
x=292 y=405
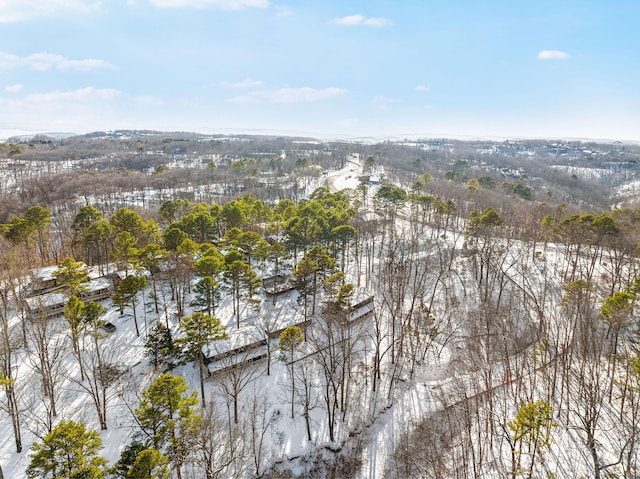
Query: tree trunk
x=204 y=402
x=591 y=444
x=135 y=317
x=235 y=407
x=15 y=419
x=293 y=387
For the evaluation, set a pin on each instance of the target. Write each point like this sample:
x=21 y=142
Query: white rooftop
x=46 y=300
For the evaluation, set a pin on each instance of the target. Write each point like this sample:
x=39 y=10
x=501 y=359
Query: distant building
x=369 y=179
x=249 y=343
x=45 y=306
x=362 y=310
x=47 y=300
x=42 y=279
x=244 y=346
x=276 y=285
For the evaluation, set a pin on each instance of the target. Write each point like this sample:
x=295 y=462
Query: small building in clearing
x=52 y=304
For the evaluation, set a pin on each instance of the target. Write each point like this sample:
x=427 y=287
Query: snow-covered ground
x=376 y=422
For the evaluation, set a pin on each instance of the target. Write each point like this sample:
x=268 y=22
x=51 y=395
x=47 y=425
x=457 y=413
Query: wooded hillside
x=191 y=306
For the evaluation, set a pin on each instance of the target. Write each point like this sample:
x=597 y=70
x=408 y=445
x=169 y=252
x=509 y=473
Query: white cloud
x=9 y=61
x=20 y=10
x=422 y=88
x=47 y=61
x=552 y=55
x=82 y=95
x=290 y=95
x=202 y=4
x=17 y=88
x=246 y=83
x=79 y=110
x=88 y=109
x=358 y=20
x=384 y=103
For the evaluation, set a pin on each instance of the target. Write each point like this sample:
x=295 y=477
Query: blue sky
x=330 y=69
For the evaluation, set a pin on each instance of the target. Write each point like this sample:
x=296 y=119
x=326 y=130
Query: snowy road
x=346 y=177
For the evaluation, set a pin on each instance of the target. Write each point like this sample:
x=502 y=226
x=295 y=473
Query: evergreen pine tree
x=149 y=464
x=168 y=416
x=199 y=330
x=158 y=346
x=69 y=450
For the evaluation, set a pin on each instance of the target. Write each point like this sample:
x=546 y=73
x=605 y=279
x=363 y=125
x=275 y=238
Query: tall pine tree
x=168 y=417
x=69 y=450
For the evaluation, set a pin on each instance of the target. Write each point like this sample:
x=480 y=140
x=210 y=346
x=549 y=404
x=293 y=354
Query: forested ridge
x=472 y=303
